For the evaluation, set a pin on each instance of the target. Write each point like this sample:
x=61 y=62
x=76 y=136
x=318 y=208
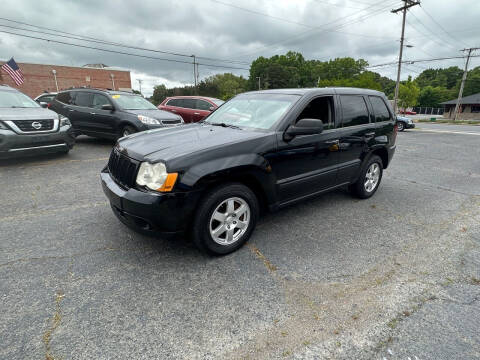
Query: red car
x=190 y=108
x=407 y=112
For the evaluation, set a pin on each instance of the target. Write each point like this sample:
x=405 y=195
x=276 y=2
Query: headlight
x=148 y=120
x=64 y=121
x=155 y=177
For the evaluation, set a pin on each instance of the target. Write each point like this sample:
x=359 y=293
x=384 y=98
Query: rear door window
x=354 y=110
x=84 y=99
x=379 y=109
x=189 y=103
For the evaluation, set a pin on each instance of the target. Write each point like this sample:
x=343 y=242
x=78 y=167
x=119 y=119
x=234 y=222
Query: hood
x=156 y=114
x=36 y=113
x=165 y=144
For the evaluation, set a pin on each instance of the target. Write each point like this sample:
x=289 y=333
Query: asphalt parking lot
x=396 y=276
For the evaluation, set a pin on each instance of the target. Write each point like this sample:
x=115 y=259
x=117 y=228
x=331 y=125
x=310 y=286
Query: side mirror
x=43 y=104
x=108 y=107
x=303 y=127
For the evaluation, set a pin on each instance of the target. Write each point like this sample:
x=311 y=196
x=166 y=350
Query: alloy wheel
x=372 y=177
x=229 y=221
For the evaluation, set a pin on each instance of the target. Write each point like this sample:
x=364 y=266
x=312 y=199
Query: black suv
x=260 y=150
x=110 y=114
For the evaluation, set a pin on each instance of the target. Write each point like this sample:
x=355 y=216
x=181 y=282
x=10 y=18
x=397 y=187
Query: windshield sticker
x=115 y=96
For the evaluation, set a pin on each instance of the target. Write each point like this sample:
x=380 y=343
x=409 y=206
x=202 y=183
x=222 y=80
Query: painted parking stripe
x=448 y=132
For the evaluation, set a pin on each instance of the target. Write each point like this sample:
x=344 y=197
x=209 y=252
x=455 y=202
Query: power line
x=419 y=60
x=121 y=52
x=323 y=27
x=105 y=42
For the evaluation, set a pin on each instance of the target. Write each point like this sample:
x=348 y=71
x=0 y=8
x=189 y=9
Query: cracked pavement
x=396 y=276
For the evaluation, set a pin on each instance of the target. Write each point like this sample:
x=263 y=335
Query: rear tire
x=369 y=178
x=225 y=219
x=400 y=126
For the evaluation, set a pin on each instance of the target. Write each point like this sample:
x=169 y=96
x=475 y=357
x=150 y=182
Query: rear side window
x=65 y=97
x=84 y=99
x=189 y=103
x=202 y=105
x=172 y=102
x=355 y=110
x=379 y=109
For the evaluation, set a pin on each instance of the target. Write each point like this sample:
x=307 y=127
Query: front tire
x=127 y=130
x=225 y=219
x=369 y=179
x=400 y=126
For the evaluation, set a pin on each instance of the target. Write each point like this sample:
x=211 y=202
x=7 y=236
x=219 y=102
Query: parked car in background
x=191 y=108
x=260 y=150
x=404 y=122
x=45 y=99
x=110 y=114
x=28 y=129
x=407 y=112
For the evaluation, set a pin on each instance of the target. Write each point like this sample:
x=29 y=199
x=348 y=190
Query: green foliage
x=365 y=80
x=433 y=96
x=408 y=94
x=222 y=86
x=472 y=84
x=447 y=78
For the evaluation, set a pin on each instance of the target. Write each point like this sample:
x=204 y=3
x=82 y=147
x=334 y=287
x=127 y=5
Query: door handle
x=332 y=142
x=93 y=113
x=174 y=110
x=370 y=134
x=196 y=113
x=71 y=110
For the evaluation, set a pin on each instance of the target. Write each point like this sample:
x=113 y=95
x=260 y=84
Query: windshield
x=259 y=111
x=133 y=102
x=14 y=99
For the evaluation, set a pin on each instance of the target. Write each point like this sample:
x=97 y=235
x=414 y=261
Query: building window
x=475 y=108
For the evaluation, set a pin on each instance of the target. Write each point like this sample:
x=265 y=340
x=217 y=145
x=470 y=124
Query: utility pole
x=407 y=4
x=464 y=77
x=258 y=77
x=140 y=85
x=195 y=72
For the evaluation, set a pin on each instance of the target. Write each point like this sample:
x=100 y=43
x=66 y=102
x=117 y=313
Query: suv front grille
x=34 y=125
x=123 y=169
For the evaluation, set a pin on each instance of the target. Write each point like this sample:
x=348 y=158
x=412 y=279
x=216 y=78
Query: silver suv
x=28 y=129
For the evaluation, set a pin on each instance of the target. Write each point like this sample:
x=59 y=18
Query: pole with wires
x=407 y=4
x=462 y=85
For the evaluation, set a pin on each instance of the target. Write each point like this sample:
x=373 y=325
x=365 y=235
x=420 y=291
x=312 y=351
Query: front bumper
x=149 y=212
x=13 y=144
x=409 y=125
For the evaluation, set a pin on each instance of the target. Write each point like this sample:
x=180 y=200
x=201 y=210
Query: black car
x=404 y=122
x=110 y=114
x=28 y=129
x=259 y=151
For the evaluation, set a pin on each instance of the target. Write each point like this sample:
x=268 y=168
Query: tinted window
x=354 y=110
x=379 y=109
x=64 y=97
x=321 y=109
x=188 y=103
x=203 y=105
x=46 y=98
x=172 y=102
x=99 y=100
x=84 y=99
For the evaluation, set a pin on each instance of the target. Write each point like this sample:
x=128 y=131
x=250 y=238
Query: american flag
x=14 y=71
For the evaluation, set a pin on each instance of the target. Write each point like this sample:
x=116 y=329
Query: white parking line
x=449 y=132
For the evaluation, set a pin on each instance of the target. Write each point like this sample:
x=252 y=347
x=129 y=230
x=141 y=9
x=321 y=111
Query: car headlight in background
x=148 y=120
x=64 y=121
x=155 y=177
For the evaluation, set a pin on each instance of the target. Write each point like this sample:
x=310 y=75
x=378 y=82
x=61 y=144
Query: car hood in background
x=156 y=114
x=36 y=113
x=187 y=140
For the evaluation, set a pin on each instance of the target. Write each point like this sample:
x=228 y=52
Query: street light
x=54 y=72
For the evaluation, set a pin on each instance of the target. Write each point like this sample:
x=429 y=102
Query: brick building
x=469 y=108
x=40 y=78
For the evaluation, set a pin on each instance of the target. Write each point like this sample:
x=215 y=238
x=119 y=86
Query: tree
x=159 y=94
x=432 y=96
x=408 y=94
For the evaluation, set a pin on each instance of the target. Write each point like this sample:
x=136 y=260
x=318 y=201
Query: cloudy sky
x=226 y=35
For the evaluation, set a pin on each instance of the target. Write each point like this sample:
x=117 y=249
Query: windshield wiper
x=223 y=125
